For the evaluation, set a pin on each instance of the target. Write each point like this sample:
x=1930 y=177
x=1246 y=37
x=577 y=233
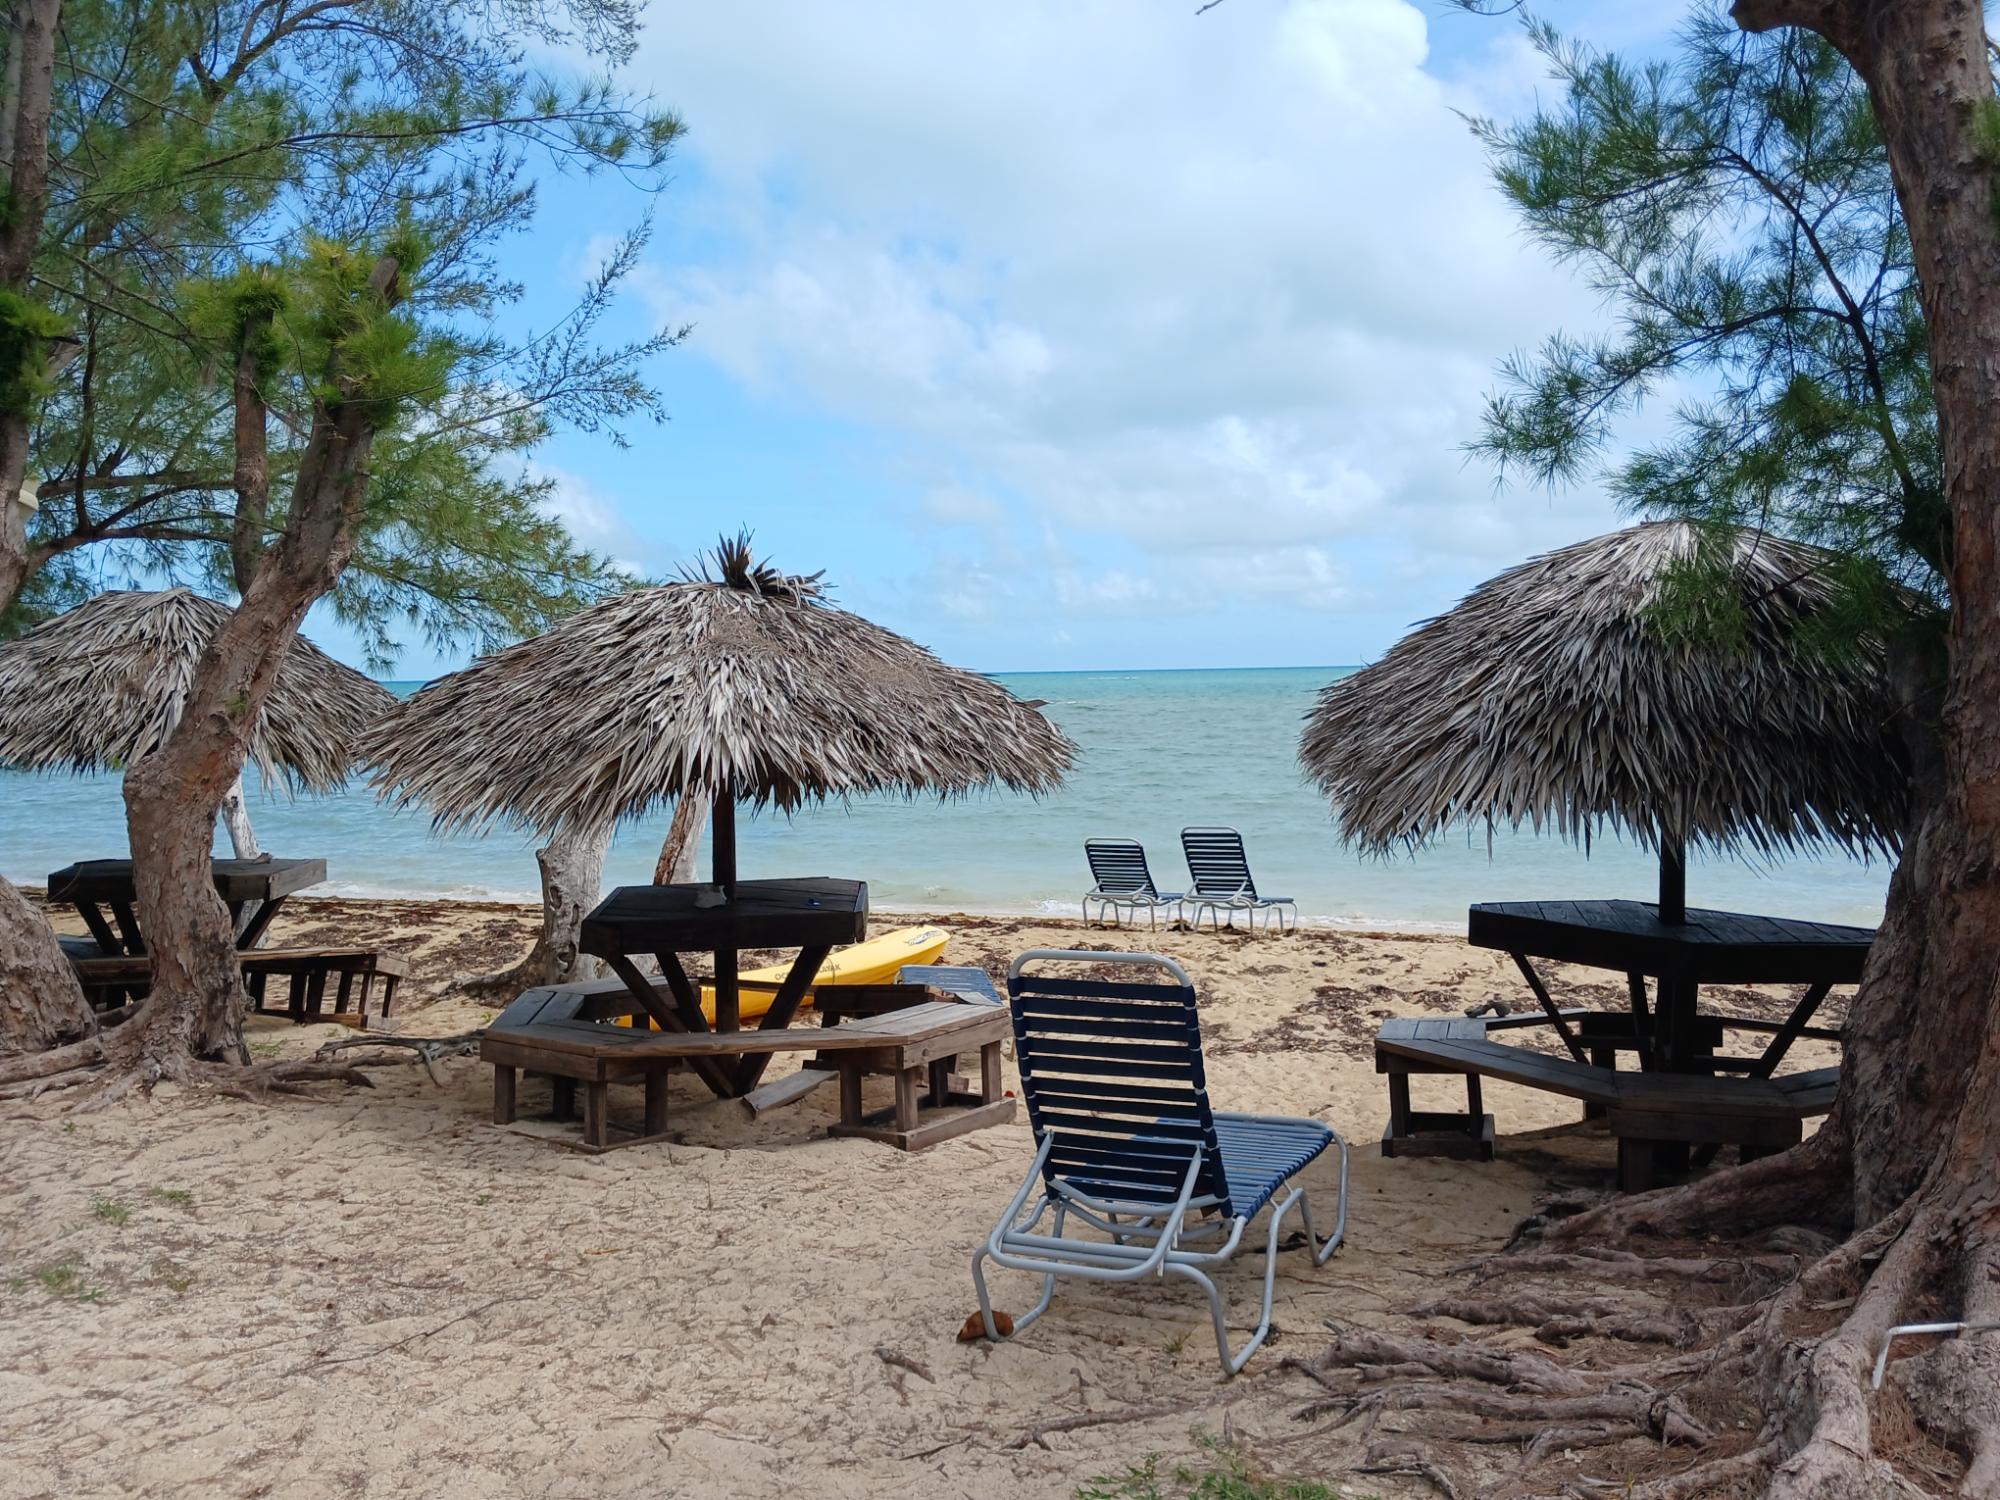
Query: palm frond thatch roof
x=101 y=685
x=1552 y=697
x=749 y=681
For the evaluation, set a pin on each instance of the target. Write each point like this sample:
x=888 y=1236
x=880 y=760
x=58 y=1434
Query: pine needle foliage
x=209 y=159
x=1733 y=204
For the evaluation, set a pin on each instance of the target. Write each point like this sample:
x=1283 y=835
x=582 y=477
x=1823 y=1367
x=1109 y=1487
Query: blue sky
x=1076 y=336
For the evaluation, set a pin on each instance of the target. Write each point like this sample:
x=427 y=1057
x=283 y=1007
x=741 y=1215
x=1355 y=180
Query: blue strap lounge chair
x=1135 y=1175
x=1220 y=872
x=1125 y=883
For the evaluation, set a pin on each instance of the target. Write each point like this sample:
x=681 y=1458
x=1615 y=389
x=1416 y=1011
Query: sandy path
x=380 y=1293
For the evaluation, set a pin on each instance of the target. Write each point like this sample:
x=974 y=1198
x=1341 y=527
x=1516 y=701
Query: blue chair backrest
x=1216 y=862
x=1119 y=865
x=1113 y=1071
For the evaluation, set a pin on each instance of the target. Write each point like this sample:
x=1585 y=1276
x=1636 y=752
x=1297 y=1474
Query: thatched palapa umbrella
x=744 y=686
x=100 y=686
x=1556 y=696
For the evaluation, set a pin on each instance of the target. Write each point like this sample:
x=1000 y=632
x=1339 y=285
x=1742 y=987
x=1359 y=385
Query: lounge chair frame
x=1125 y=884
x=1220 y=882
x=1186 y=1234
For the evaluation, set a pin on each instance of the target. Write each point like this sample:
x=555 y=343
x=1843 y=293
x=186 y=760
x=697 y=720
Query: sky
x=1078 y=336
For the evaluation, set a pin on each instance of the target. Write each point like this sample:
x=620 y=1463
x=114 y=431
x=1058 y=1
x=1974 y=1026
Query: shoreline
x=1052 y=912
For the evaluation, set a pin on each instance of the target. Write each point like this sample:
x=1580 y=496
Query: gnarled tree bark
x=1905 y=1164
x=196 y=1007
x=38 y=995
x=41 y=1005
x=572 y=865
x=683 y=842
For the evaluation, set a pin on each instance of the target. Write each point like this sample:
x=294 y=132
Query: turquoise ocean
x=1160 y=750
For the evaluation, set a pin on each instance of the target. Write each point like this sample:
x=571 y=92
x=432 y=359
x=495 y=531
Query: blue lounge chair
x=1128 y=1149
x=1124 y=882
x=1220 y=872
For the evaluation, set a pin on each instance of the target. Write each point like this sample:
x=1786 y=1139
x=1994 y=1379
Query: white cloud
x=1224 y=291
x=593 y=521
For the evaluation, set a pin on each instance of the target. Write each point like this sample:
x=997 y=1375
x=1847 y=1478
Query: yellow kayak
x=873 y=962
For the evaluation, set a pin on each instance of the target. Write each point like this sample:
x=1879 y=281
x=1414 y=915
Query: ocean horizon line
x=1040 y=671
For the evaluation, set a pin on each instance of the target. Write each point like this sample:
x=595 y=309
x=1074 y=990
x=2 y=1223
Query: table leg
x=128 y=924
x=906 y=1098
x=784 y=1005
x=1635 y=1164
x=1542 y=994
x=656 y=1102
x=940 y=1079
x=989 y=1073
x=1642 y=1020
x=1399 y=1105
x=1796 y=1022
x=850 y=1095
x=100 y=930
x=503 y=1095
x=259 y=923
x=728 y=1002
x=597 y=1114
x=683 y=1015
x=1674 y=1021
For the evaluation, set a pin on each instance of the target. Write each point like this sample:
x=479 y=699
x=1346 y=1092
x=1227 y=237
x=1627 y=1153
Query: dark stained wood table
x=665 y=921
x=1709 y=947
x=90 y=885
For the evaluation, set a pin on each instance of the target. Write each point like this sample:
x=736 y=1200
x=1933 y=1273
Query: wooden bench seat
x=566 y=1032
x=1643 y=1110
x=108 y=980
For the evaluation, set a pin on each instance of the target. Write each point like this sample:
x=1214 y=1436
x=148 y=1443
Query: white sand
x=380 y=1293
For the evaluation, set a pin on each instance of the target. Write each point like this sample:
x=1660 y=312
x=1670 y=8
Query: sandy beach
x=378 y=1292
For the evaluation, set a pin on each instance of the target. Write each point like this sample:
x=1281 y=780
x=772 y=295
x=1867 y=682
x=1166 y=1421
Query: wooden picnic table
x=1706 y=947
x=665 y=921
x=91 y=885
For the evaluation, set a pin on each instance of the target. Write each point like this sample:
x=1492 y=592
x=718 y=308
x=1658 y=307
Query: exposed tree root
x=1622 y=1265
x=109 y=1066
x=383 y=1050
x=1560 y=1320
x=1039 y=1434
x=1805 y=1185
x=1764 y=1391
x=1402 y=1456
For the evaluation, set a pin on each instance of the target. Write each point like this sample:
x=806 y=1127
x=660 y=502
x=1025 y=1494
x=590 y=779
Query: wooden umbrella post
x=1673 y=1016
x=728 y=1016
x=1673 y=880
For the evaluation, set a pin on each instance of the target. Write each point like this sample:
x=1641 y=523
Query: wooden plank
x=684 y=1015
x=1511 y=1064
x=500 y=1050
x=784 y=1005
x=764 y=914
x=1796 y=1022
x=939 y=1128
x=788 y=1090
x=963 y=1028
x=1548 y=1005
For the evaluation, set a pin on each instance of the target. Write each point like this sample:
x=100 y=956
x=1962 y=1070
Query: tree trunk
x=173 y=794
x=41 y=1005
x=572 y=876
x=1916 y=1126
x=683 y=843
x=30 y=76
